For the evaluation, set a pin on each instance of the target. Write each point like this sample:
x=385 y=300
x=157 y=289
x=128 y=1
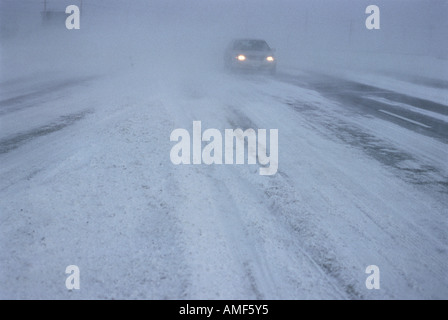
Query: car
x=250 y=54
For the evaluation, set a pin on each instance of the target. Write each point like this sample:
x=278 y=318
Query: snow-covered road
x=86 y=179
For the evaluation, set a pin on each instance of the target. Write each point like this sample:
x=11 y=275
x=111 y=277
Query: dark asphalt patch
x=27 y=100
x=376 y=148
x=11 y=143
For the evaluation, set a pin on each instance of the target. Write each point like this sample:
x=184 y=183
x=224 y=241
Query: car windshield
x=258 y=45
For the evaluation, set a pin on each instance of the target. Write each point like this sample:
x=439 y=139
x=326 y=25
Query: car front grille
x=255 y=58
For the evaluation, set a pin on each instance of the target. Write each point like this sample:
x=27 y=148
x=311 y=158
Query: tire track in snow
x=336 y=129
x=326 y=267
x=218 y=251
x=289 y=134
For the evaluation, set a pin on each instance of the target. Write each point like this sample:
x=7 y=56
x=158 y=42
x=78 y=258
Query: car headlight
x=241 y=57
x=270 y=59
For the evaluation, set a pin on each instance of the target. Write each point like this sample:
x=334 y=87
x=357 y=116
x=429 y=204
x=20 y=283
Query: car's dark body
x=257 y=55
